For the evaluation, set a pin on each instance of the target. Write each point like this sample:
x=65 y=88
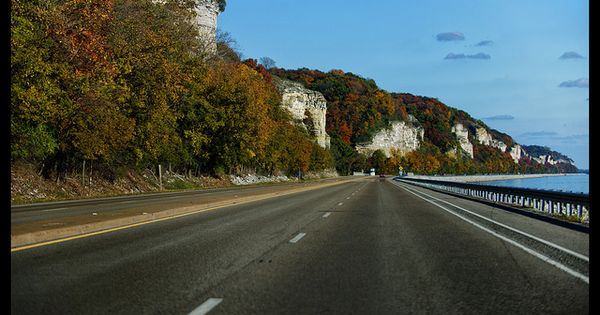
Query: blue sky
x=522 y=66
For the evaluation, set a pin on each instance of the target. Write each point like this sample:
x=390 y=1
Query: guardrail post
x=560 y=207
x=532 y=203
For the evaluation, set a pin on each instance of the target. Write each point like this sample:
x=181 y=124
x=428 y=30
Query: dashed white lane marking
x=341 y=203
x=326 y=214
x=205 y=307
x=297 y=237
x=347 y=198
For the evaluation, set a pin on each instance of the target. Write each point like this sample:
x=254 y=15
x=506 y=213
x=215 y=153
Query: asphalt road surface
x=365 y=247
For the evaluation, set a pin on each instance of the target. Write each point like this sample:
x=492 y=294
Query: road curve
x=364 y=247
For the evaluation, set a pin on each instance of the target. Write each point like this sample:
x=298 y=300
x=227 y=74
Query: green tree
x=35 y=96
x=320 y=159
x=156 y=50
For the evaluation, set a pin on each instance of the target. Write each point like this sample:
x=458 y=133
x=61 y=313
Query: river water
x=579 y=183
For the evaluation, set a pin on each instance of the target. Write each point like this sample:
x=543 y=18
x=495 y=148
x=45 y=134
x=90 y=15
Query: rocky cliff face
x=206 y=19
x=545 y=155
x=462 y=134
x=548 y=159
x=407 y=137
x=402 y=136
x=485 y=138
x=517 y=152
x=305 y=106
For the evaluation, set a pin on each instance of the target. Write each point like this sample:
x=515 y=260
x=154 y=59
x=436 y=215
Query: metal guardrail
x=552 y=202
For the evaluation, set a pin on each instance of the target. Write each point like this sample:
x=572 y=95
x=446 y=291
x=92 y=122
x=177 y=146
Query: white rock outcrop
x=517 y=152
x=402 y=136
x=462 y=134
x=548 y=159
x=206 y=20
x=299 y=101
x=485 y=138
x=251 y=179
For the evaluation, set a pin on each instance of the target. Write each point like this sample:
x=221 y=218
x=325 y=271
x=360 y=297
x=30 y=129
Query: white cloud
x=463 y=56
x=484 y=43
x=500 y=117
x=571 y=55
x=580 y=83
x=450 y=36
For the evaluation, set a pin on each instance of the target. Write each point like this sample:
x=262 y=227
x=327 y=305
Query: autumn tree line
x=126 y=84
x=357 y=109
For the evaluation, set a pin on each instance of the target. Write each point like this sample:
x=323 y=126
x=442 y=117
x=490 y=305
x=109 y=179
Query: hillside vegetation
x=358 y=108
x=125 y=85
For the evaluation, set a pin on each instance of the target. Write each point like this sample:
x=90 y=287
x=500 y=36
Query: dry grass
x=27 y=185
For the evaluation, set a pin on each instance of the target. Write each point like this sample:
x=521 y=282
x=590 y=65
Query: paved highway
x=365 y=247
x=112 y=206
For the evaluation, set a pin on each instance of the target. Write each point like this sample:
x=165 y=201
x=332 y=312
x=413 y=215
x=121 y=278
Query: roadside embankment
x=28 y=185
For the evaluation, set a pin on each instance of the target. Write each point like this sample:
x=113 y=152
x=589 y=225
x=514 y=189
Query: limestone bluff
x=206 y=13
x=206 y=20
x=304 y=104
x=401 y=136
x=405 y=137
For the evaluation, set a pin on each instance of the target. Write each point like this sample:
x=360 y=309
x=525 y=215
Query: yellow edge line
x=61 y=240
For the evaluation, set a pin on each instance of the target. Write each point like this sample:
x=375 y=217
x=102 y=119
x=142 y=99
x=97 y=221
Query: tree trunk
x=83 y=174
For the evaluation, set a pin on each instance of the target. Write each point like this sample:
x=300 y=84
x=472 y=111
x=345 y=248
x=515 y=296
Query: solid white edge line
x=297 y=237
x=566 y=250
x=206 y=307
x=556 y=264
